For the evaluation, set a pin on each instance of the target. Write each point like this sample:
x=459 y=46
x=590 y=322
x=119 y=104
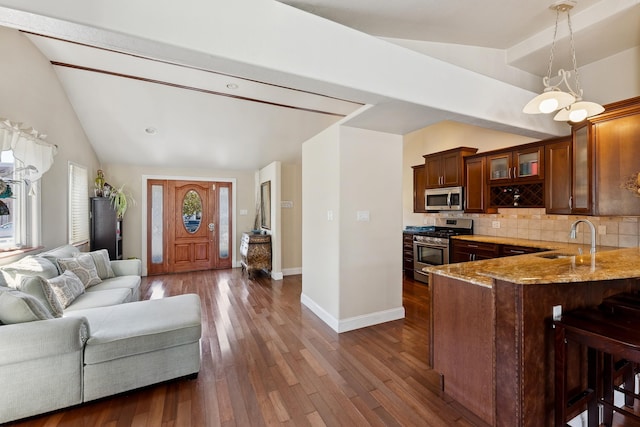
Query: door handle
x=212 y=227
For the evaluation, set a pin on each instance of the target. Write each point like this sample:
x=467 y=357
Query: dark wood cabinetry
x=462 y=251
x=418 y=189
x=512 y=250
x=523 y=164
x=445 y=168
x=558 y=177
x=475 y=184
x=106 y=228
x=407 y=254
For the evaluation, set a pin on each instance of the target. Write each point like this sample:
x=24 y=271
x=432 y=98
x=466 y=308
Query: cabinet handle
x=570 y=202
x=470 y=257
x=472 y=246
x=509 y=173
x=515 y=252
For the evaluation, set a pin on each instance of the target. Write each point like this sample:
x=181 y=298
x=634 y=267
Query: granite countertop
x=575 y=264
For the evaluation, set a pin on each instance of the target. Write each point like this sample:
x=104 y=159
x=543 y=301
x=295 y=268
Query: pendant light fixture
x=572 y=107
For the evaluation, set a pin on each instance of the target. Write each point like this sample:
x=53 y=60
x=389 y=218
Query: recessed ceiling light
x=232 y=86
x=151 y=130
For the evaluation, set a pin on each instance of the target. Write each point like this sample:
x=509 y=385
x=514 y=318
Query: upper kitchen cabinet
x=615 y=136
x=418 y=189
x=520 y=165
x=475 y=194
x=445 y=168
x=558 y=176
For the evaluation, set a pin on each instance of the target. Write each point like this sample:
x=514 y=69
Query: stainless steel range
x=432 y=247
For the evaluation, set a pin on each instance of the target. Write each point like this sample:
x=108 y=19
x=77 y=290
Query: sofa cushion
x=29 y=266
x=19 y=307
x=65 y=251
x=141 y=327
x=103 y=263
x=92 y=299
x=82 y=266
x=67 y=287
x=38 y=287
x=121 y=282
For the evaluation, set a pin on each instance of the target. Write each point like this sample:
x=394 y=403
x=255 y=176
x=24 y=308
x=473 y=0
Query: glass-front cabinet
x=519 y=165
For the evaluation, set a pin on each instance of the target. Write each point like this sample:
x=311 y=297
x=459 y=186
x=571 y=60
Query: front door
x=189 y=226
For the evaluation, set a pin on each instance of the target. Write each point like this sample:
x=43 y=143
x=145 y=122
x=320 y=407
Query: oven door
x=426 y=255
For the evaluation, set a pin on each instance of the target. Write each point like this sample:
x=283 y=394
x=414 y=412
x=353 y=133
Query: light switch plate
x=363 y=216
x=329 y=215
x=495 y=224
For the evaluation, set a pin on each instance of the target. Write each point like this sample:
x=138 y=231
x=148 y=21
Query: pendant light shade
x=569 y=102
x=578 y=111
x=548 y=102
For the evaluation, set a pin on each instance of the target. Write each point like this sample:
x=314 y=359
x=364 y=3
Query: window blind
x=78 y=204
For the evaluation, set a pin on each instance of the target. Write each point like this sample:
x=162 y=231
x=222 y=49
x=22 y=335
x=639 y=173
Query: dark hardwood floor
x=267 y=360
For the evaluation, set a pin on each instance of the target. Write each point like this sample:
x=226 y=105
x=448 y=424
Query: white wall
x=30 y=92
x=352 y=270
x=291 y=223
x=321 y=236
x=272 y=172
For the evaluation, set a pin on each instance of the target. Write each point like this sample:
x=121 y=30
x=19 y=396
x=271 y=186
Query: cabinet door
x=418 y=188
x=511 y=250
x=473 y=251
x=528 y=165
x=581 y=193
x=500 y=168
x=474 y=186
x=450 y=169
x=558 y=177
x=617 y=153
x=433 y=174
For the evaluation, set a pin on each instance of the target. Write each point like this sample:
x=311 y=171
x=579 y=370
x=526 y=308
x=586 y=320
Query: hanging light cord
x=553 y=47
x=578 y=92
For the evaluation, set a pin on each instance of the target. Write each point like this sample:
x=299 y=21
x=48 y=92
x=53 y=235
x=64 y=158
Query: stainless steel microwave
x=444 y=199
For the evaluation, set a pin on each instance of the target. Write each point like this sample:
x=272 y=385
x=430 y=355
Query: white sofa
x=105 y=342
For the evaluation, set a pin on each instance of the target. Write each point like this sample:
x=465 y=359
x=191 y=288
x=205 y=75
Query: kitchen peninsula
x=492 y=336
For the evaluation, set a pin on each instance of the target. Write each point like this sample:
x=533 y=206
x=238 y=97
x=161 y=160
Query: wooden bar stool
x=606 y=335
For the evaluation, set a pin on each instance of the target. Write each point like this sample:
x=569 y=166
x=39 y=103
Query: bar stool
x=605 y=334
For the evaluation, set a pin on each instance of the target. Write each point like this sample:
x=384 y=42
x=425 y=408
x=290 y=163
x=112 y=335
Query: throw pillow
x=29 y=266
x=18 y=307
x=67 y=287
x=103 y=264
x=39 y=288
x=83 y=267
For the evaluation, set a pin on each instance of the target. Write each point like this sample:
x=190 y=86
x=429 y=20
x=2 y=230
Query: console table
x=255 y=252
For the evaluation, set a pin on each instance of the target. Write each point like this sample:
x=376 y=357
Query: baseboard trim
x=291 y=271
x=352 y=323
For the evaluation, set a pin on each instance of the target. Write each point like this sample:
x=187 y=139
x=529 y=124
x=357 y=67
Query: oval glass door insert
x=192 y=211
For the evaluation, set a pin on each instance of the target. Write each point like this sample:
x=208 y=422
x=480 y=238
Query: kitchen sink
x=556 y=255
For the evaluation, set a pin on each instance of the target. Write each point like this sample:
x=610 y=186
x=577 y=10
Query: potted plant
x=120 y=201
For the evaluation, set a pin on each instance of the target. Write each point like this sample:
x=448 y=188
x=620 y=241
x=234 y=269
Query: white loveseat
x=105 y=341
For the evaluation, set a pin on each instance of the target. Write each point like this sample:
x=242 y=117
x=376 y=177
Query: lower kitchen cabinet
x=407 y=254
x=512 y=250
x=462 y=251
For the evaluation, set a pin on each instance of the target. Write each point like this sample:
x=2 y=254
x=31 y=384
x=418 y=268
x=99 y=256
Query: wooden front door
x=189 y=226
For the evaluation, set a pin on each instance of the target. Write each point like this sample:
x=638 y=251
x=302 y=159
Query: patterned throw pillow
x=83 y=267
x=18 y=307
x=67 y=287
x=103 y=263
x=39 y=288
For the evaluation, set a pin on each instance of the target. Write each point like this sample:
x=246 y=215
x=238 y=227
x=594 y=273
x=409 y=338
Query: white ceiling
x=200 y=122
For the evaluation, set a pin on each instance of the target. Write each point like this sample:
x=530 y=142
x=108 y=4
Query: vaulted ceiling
x=164 y=99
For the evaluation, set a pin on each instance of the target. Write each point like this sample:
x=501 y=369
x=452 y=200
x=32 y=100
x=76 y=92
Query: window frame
x=78 y=204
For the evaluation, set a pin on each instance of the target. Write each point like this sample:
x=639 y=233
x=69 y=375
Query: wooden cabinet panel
x=419 y=186
x=521 y=165
x=462 y=251
x=512 y=250
x=407 y=254
x=617 y=144
x=445 y=168
x=475 y=184
x=558 y=177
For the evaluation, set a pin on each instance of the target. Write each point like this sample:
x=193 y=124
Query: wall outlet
x=243 y=212
x=557 y=312
x=602 y=229
x=329 y=215
x=287 y=204
x=495 y=224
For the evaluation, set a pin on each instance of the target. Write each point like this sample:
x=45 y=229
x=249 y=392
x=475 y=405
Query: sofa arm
x=127 y=267
x=42 y=338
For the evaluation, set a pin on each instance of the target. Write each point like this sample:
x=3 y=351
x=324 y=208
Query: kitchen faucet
x=574 y=226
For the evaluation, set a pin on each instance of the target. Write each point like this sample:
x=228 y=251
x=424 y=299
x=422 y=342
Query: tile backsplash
x=535 y=224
